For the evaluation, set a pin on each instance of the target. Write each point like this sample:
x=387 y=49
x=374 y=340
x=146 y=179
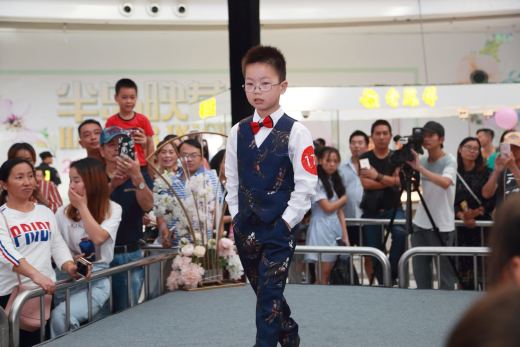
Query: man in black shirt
x=381 y=185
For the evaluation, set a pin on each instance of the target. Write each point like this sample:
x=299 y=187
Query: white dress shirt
x=304 y=181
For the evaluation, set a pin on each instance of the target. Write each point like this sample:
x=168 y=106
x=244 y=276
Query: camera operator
x=438 y=176
x=381 y=196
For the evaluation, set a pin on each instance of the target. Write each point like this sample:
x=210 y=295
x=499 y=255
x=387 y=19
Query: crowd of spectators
x=468 y=187
x=110 y=196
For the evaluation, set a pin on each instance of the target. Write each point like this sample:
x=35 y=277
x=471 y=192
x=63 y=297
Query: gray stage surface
x=327 y=315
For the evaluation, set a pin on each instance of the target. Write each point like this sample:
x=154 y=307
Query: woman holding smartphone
x=29 y=237
x=506 y=175
x=88 y=225
x=470 y=205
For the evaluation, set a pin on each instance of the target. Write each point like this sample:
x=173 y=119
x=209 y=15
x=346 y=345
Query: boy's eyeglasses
x=263 y=87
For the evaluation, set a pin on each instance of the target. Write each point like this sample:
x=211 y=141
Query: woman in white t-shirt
x=88 y=226
x=29 y=239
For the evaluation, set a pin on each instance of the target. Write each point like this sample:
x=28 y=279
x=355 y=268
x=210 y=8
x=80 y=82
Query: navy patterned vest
x=265 y=174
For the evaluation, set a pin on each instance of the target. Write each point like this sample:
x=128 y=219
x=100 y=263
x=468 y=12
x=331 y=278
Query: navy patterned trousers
x=266 y=251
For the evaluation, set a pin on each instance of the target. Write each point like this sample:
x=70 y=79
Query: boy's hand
x=287 y=225
x=139 y=136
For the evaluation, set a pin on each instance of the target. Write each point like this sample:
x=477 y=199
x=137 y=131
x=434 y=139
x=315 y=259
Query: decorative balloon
x=506 y=118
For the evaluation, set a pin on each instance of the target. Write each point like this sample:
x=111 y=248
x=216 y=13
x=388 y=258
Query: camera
x=414 y=141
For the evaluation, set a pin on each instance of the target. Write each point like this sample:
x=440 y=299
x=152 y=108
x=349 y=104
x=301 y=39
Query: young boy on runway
x=271 y=178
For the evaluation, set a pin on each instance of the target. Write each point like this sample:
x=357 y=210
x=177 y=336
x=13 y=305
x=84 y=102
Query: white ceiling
x=273 y=13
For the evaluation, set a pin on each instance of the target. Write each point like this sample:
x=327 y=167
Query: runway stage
x=327 y=315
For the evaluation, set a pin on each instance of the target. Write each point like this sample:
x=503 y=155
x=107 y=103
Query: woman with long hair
x=89 y=226
x=327 y=217
x=470 y=205
x=46 y=193
x=29 y=237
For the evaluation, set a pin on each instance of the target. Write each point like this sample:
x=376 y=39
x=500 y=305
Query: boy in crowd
x=50 y=173
x=380 y=180
x=136 y=124
x=438 y=172
x=89 y=131
x=271 y=178
x=132 y=190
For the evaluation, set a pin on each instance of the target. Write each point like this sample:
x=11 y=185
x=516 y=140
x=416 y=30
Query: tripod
x=410 y=181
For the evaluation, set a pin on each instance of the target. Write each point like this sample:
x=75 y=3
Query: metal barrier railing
x=438 y=252
x=151 y=248
x=369 y=251
x=14 y=314
x=4 y=328
x=481 y=224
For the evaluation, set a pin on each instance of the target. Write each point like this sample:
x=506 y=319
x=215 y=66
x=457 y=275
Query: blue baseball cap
x=109 y=133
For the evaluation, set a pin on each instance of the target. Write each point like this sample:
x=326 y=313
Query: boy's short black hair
x=88 y=121
x=488 y=131
x=380 y=122
x=359 y=133
x=267 y=55
x=125 y=83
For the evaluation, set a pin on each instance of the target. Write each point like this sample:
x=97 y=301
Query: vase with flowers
x=193 y=206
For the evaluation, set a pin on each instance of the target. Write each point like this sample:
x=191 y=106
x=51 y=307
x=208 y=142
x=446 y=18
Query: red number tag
x=309 y=160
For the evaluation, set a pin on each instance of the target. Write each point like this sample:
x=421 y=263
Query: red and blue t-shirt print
x=30 y=233
x=25 y=234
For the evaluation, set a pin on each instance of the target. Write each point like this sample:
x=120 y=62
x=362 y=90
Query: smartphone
x=505 y=148
x=126 y=146
x=83 y=264
x=364 y=163
x=133 y=131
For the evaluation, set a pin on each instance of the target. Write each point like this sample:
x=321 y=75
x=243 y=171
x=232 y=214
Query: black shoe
x=291 y=341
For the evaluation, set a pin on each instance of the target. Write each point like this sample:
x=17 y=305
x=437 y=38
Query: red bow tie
x=267 y=122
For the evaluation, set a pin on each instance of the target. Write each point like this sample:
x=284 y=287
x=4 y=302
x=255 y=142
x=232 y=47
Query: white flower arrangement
x=195 y=207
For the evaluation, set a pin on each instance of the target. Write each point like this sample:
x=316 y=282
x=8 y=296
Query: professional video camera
x=405 y=154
